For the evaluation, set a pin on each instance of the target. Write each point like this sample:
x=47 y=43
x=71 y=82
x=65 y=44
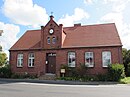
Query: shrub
x=116 y=72
x=5 y=72
x=75 y=72
x=23 y=76
x=128 y=70
x=102 y=77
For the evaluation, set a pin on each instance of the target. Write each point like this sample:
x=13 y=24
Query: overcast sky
x=17 y=16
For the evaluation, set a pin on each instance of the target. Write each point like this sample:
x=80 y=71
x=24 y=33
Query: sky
x=18 y=16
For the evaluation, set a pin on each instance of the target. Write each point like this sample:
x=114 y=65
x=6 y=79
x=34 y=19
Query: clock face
x=51 y=31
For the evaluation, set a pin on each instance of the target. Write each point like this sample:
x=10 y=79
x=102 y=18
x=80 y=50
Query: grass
x=125 y=80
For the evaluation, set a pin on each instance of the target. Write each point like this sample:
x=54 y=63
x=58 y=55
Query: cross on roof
x=51 y=13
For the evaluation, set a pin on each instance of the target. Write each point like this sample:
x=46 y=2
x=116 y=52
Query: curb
x=4 y=81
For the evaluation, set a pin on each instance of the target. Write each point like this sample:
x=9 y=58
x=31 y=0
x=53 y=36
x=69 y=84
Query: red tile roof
x=92 y=36
x=77 y=36
x=30 y=40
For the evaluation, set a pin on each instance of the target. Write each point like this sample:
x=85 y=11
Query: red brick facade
x=62 y=58
x=61 y=53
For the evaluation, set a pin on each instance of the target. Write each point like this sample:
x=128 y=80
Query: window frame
x=108 y=58
x=48 y=40
x=71 y=64
x=31 y=60
x=53 y=40
x=20 y=60
x=90 y=64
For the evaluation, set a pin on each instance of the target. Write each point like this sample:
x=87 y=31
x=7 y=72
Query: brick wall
x=62 y=58
x=58 y=30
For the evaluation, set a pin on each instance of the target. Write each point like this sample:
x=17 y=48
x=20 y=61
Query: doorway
x=51 y=63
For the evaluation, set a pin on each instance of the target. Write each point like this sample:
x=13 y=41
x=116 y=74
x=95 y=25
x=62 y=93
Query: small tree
x=116 y=72
x=0 y=48
x=3 y=58
x=126 y=60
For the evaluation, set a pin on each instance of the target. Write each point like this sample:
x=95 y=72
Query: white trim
x=70 y=55
x=106 y=56
x=90 y=64
x=32 y=58
x=20 y=60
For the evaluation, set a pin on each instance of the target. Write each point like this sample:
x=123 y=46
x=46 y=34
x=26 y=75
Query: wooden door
x=51 y=63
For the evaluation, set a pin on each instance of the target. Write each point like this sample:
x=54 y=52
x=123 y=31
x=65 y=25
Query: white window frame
x=31 y=59
x=106 y=56
x=89 y=55
x=20 y=60
x=73 y=61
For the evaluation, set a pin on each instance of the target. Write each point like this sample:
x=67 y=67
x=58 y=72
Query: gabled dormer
x=52 y=35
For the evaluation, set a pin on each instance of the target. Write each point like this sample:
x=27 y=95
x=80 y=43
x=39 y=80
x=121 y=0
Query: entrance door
x=51 y=63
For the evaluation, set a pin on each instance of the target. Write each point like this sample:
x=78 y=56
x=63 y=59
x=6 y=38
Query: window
x=48 y=40
x=20 y=60
x=106 y=58
x=89 y=61
x=31 y=60
x=54 y=40
x=71 y=59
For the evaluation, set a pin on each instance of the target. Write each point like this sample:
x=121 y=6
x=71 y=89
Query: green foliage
x=5 y=72
x=0 y=48
x=128 y=69
x=23 y=76
x=126 y=60
x=125 y=80
x=102 y=77
x=116 y=72
x=75 y=72
x=3 y=59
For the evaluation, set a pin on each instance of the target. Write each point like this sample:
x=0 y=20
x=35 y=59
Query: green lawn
x=125 y=80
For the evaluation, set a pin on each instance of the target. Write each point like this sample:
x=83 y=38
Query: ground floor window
x=71 y=59
x=89 y=60
x=31 y=60
x=20 y=60
x=106 y=58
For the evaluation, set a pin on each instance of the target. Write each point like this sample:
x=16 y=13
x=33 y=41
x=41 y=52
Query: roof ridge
x=90 y=25
x=34 y=30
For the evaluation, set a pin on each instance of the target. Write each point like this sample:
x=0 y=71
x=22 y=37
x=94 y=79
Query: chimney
x=77 y=25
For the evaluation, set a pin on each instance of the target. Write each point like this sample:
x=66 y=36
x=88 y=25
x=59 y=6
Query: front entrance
x=51 y=63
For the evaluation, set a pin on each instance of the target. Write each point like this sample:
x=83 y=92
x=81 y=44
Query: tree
x=3 y=58
x=0 y=48
x=126 y=60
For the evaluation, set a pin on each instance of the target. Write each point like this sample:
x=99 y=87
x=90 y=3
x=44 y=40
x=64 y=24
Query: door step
x=48 y=76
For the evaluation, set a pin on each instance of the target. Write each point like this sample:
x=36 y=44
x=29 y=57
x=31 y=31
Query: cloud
x=117 y=16
x=88 y=1
x=9 y=35
x=68 y=20
x=24 y=12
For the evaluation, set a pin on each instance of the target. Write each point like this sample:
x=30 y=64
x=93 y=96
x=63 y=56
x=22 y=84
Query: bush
x=128 y=70
x=23 y=76
x=5 y=72
x=102 y=77
x=80 y=71
x=116 y=72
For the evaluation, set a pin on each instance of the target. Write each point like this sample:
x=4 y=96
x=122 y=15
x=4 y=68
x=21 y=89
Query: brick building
x=45 y=50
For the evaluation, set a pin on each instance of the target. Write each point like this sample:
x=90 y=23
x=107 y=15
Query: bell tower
x=51 y=35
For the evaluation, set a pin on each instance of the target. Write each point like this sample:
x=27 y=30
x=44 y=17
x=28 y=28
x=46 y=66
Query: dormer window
x=48 y=40
x=54 y=40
